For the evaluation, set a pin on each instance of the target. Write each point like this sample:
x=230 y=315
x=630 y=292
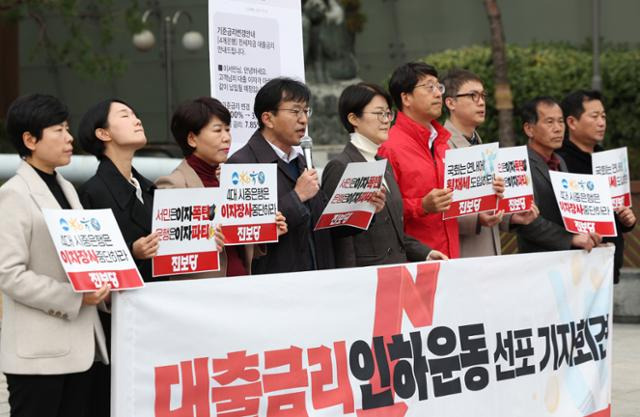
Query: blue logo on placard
x=64 y=224
x=565 y=183
x=590 y=185
x=235 y=178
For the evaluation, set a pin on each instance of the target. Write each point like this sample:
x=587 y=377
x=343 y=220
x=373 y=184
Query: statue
x=328 y=45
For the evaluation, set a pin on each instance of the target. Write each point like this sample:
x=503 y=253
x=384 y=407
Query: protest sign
x=184 y=220
x=427 y=339
x=251 y=42
x=584 y=202
x=248 y=203
x=469 y=172
x=92 y=250
x=513 y=166
x=350 y=203
x=614 y=164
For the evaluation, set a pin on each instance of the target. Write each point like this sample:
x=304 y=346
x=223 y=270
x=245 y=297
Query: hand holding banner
x=249 y=203
x=350 y=203
x=584 y=202
x=92 y=250
x=183 y=219
x=513 y=166
x=614 y=164
x=469 y=172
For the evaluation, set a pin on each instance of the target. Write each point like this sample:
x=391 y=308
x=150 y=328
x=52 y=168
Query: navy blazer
x=293 y=251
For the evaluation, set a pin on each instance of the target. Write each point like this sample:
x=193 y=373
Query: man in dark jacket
x=543 y=124
x=586 y=123
x=281 y=107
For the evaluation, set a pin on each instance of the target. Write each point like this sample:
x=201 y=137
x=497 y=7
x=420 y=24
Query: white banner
x=251 y=42
x=91 y=249
x=523 y=335
x=584 y=202
x=248 y=203
x=614 y=164
x=350 y=202
x=469 y=173
x=513 y=166
x=184 y=220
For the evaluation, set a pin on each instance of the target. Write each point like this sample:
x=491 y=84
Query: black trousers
x=67 y=395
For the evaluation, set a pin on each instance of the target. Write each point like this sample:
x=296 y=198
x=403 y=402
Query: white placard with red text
x=251 y=42
x=184 y=218
x=450 y=339
x=469 y=173
x=513 y=166
x=248 y=203
x=585 y=202
x=350 y=203
x=614 y=164
x=92 y=250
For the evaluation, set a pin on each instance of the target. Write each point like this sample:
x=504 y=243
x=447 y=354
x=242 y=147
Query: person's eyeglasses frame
x=475 y=96
x=381 y=115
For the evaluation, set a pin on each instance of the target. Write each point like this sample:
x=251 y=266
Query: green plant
x=555 y=69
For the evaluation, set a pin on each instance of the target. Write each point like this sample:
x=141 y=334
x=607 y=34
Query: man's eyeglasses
x=383 y=116
x=475 y=96
x=298 y=112
x=432 y=88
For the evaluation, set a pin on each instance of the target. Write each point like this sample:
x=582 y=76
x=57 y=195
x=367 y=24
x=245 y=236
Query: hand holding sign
x=626 y=216
x=281 y=224
x=379 y=199
x=526 y=217
x=437 y=201
x=96 y=297
x=586 y=241
x=146 y=247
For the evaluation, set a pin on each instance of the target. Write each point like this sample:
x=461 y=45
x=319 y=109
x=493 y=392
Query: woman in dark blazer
x=112 y=132
x=364 y=110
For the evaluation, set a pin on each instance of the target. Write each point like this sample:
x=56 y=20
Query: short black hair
x=277 y=90
x=33 y=113
x=355 y=98
x=96 y=117
x=455 y=79
x=405 y=78
x=573 y=103
x=529 y=110
x=192 y=116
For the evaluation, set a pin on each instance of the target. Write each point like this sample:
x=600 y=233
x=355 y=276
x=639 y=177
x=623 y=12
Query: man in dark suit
x=281 y=107
x=543 y=123
x=586 y=125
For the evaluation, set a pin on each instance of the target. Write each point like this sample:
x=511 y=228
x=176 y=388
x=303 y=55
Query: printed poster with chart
x=614 y=164
x=469 y=173
x=92 y=250
x=248 y=203
x=184 y=220
x=584 y=202
x=514 y=168
x=251 y=42
x=350 y=203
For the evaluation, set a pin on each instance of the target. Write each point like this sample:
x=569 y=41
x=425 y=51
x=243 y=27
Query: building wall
x=395 y=31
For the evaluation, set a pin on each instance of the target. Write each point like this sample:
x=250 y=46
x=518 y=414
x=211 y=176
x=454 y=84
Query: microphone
x=306 y=144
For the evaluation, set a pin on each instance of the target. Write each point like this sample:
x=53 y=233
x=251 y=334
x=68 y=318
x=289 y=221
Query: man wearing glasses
x=282 y=109
x=415 y=149
x=464 y=99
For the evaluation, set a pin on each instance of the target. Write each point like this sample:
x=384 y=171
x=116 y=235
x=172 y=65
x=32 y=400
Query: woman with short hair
x=201 y=128
x=365 y=112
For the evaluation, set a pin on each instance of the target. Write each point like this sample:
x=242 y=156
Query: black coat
x=293 y=251
x=546 y=232
x=579 y=162
x=385 y=241
x=109 y=189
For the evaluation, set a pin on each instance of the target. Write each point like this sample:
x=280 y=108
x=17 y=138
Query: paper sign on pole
x=469 y=173
x=350 y=203
x=248 y=203
x=614 y=164
x=251 y=42
x=513 y=166
x=184 y=220
x=92 y=250
x=585 y=202
x=452 y=339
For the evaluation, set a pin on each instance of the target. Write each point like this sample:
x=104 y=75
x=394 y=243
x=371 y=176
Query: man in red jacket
x=415 y=149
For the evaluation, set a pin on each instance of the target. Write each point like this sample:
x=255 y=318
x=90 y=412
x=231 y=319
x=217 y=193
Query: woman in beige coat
x=201 y=127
